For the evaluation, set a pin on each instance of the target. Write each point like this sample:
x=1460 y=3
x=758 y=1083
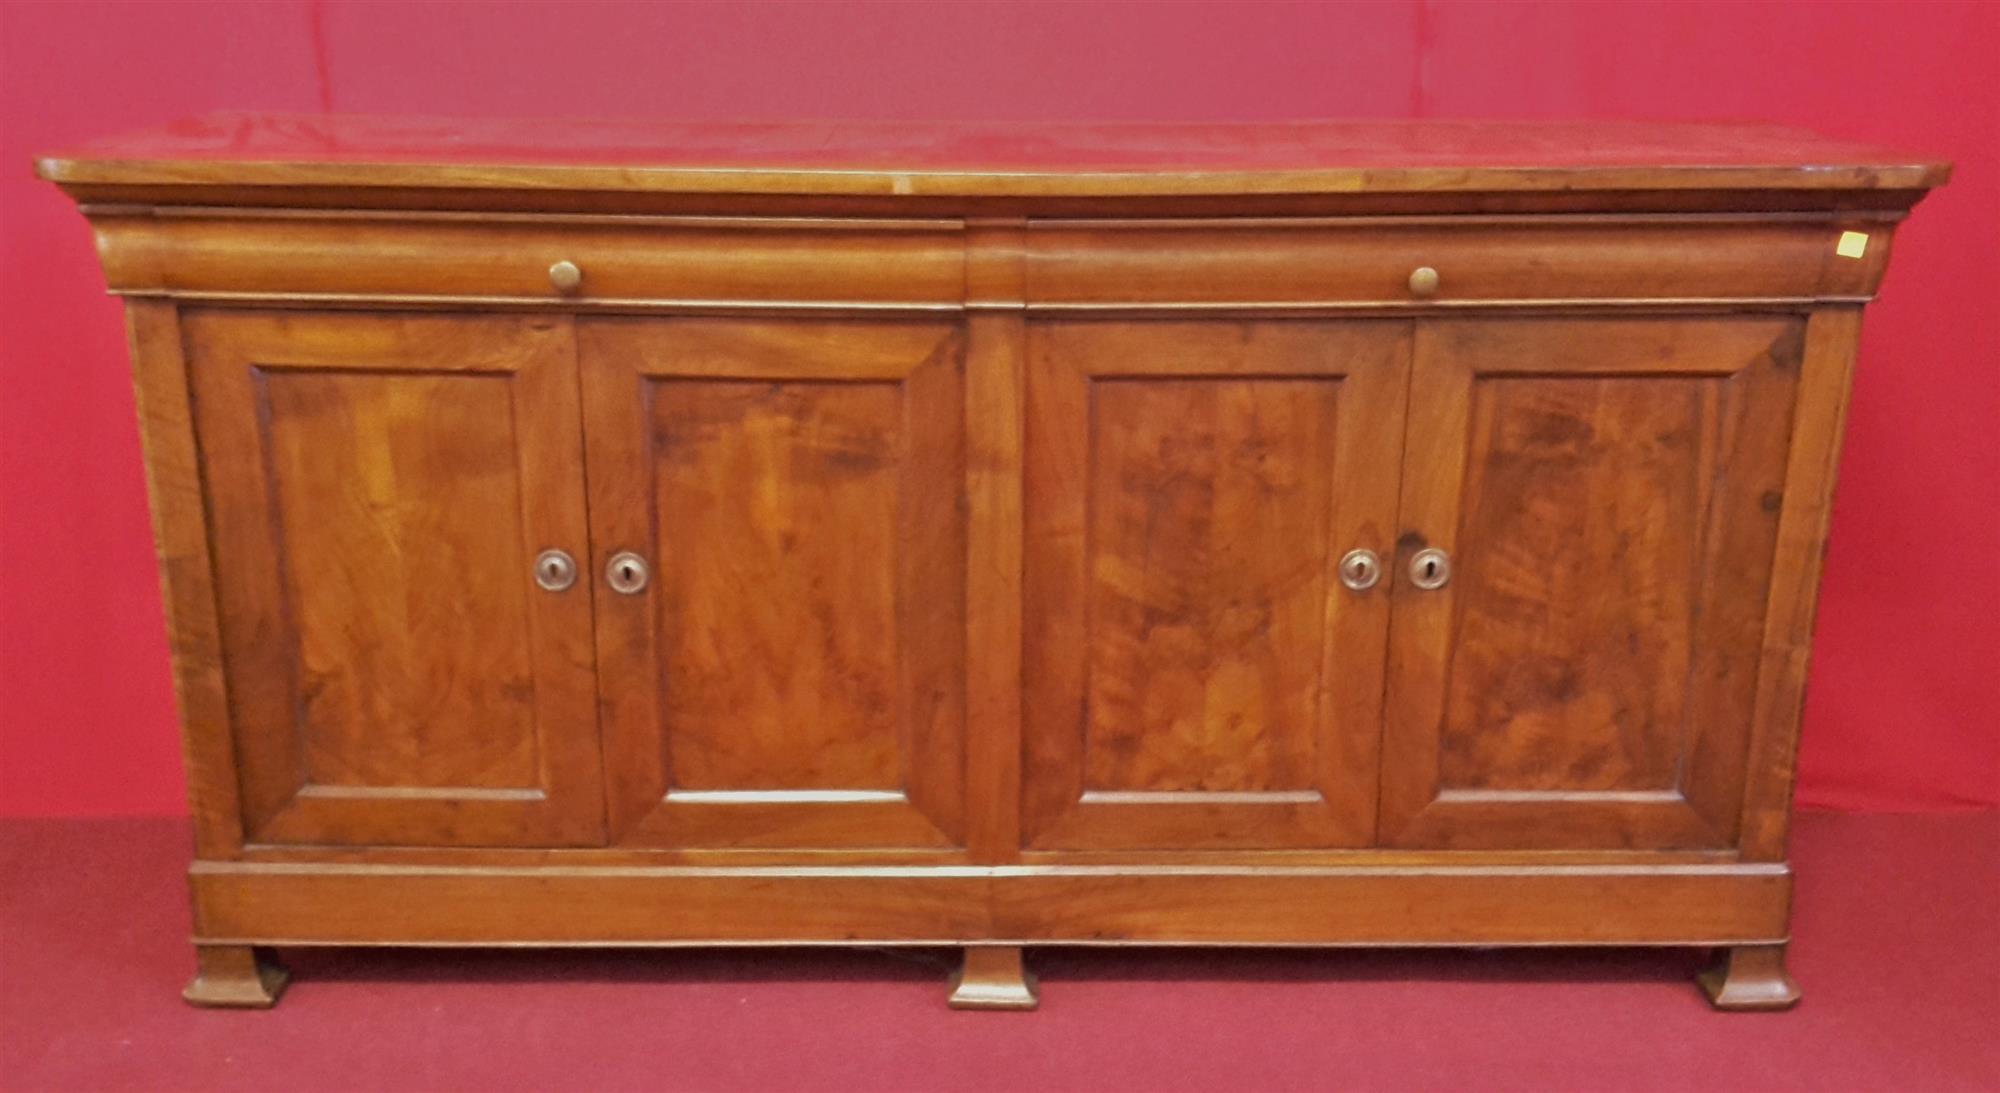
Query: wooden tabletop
x=984 y=160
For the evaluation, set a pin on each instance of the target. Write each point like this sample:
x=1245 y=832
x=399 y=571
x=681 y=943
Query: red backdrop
x=1905 y=705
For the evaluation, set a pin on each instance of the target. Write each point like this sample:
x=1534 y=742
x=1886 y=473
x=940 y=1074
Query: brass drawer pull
x=565 y=276
x=1423 y=282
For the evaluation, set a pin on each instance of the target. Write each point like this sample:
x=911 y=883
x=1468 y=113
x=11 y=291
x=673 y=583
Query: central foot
x=993 y=979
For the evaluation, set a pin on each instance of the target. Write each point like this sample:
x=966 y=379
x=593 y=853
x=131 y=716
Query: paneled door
x=383 y=489
x=1589 y=518
x=776 y=506
x=1206 y=506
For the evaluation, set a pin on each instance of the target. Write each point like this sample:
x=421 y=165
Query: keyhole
x=626 y=573
x=1430 y=569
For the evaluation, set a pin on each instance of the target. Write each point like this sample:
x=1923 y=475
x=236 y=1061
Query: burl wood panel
x=1196 y=675
x=382 y=485
x=793 y=675
x=1209 y=500
x=792 y=685
x=1589 y=675
x=1573 y=627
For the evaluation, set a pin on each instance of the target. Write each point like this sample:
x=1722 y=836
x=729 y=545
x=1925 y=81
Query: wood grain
x=984 y=159
x=1196 y=675
x=1479 y=261
x=1826 y=379
x=1641 y=905
x=793 y=676
x=995 y=428
x=380 y=490
x=682 y=262
x=187 y=575
x=992 y=483
x=1610 y=492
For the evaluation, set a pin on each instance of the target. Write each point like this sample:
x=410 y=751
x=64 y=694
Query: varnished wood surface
x=793 y=674
x=180 y=537
x=1196 y=676
x=1123 y=265
x=991 y=485
x=235 y=977
x=992 y=978
x=1610 y=492
x=985 y=159
x=238 y=903
x=1750 y=977
x=380 y=487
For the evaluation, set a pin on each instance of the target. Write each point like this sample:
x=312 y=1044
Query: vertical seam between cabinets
x=585 y=568
x=1391 y=547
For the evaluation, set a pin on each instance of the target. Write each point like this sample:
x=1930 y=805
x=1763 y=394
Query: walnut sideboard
x=1306 y=534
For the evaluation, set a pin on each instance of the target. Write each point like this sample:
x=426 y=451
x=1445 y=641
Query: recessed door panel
x=382 y=486
x=1607 y=494
x=791 y=674
x=1197 y=676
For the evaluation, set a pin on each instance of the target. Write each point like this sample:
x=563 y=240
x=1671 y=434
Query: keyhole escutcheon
x=555 y=570
x=626 y=573
x=1360 y=569
x=1430 y=568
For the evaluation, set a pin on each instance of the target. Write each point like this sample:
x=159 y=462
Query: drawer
x=1371 y=262
x=430 y=258
x=1080 y=265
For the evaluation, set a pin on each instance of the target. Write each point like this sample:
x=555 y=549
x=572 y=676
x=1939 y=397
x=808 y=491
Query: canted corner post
x=236 y=977
x=993 y=978
x=1750 y=977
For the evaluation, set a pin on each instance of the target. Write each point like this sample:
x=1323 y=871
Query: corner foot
x=993 y=979
x=236 y=976
x=1750 y=977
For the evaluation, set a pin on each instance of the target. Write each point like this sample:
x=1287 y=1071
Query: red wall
x=1904 y=709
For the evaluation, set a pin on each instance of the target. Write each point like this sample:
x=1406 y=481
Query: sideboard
x=990 y=536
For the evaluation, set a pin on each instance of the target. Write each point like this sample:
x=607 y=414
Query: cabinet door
x=1607 y=494
x=379 y=489
x=1196 y=675
x=791 y=674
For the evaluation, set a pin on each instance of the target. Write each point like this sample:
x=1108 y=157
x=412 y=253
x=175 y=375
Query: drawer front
x=1373 y=263
x=420 y=259
x=1068 y=265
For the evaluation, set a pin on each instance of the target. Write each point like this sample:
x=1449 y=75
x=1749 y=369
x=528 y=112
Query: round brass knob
x=1360 y=569
x=1423 y=281
x=565 y=276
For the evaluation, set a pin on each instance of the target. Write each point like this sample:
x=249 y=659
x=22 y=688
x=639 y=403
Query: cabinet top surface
x=981 y=159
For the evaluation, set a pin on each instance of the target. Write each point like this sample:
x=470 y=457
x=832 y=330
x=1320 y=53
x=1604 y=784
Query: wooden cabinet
x=989 y=538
